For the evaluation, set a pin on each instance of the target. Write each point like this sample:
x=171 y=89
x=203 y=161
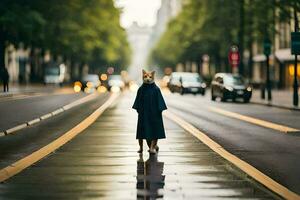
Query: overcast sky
x=142 y=11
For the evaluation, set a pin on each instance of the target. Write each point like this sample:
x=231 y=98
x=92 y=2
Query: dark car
x=230 y=86
x=186 y=82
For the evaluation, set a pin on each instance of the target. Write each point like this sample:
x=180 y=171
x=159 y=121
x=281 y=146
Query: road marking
x=57 y=111
x=244 y=166
x=80 y=101
x=46 y=116
x=294 y=108
x=51 y=114
x=27 y=161
x=34 y=121
x=16 y=128
x=278 y=127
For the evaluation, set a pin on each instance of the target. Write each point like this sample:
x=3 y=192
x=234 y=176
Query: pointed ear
x=153 y=73
x=144 y=72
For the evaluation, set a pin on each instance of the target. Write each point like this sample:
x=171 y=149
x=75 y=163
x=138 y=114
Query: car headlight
x=229 y=88
x=90 y=84
x=249 y=89
x=115 y=89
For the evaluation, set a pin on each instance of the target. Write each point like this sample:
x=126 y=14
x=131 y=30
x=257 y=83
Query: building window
x=284 y=35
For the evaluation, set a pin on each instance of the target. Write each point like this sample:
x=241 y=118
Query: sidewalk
x=280 y=98
x=102 y=162
x=16 y=89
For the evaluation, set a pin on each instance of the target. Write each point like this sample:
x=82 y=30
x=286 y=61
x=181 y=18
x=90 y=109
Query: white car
x=115 y=82
x=55 y=74
x=91 y=81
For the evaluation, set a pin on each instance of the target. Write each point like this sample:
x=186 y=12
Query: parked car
x=90 y=81
x=55 y=73
x=186 y=82
x=115 y=83
x=230 y=86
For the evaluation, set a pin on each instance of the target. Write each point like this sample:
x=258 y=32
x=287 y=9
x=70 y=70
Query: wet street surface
x=274 y=153
x=102 y=163
x=25 y=141
x=25 y=107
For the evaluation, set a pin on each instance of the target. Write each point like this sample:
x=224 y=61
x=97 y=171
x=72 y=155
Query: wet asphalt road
x=24 y=142
x=27 y=106
x=102 y=163
x=274 y=153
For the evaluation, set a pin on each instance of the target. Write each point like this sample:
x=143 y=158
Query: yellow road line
x=278 y=127
x=27 y=161
x=244 y=166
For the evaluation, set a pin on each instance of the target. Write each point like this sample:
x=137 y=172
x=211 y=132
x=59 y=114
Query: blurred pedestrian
x=5 y=79
x=149 y=104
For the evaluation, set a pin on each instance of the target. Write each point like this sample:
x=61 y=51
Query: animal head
x=148 y=77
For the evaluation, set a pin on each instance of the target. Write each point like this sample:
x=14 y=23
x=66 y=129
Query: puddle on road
x=150 y=178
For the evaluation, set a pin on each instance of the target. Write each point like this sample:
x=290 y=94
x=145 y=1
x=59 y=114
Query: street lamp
x=267 y=52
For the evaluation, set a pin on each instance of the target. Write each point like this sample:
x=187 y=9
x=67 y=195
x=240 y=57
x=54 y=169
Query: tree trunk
x=241 y=36
x=71 y=69
x=250 y=62
x=218 y=63
x=250 y=40
x=2 y=50
x=32 y=64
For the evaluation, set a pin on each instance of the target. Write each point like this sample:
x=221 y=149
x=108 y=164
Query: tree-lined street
x=76 y=33
x=149 y=99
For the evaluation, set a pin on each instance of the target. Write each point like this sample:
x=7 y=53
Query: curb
x=5 y=95
x=77 y=102
x=275 y=105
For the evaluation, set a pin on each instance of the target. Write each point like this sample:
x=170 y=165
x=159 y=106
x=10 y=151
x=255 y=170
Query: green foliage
x=212 y=26
x=83 y=31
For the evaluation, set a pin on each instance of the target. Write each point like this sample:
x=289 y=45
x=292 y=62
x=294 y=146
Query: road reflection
x=150 y=178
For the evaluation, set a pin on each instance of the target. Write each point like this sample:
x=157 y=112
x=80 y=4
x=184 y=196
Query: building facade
x=143 y=38
x=281 y=60
x=138 y=37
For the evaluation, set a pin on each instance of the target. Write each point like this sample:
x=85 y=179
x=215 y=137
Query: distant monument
x=143 y=38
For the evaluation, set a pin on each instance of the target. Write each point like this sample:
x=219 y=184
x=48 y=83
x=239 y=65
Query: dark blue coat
x=149 y=104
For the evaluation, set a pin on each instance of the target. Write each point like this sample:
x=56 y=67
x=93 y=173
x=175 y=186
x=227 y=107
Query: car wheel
x=246 y=100
x=182 y=91
x=223 y=99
